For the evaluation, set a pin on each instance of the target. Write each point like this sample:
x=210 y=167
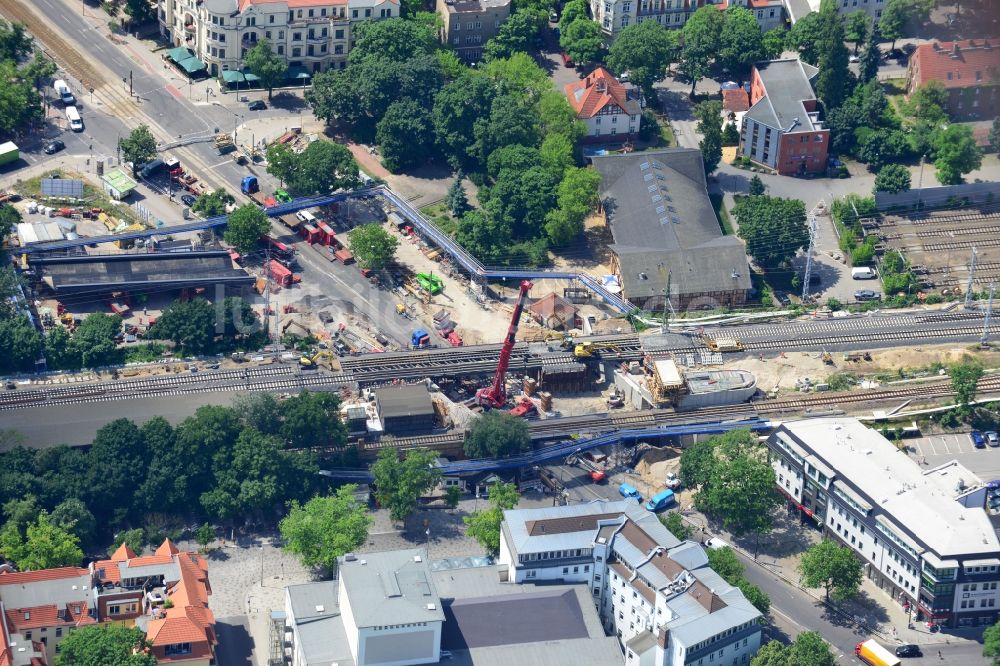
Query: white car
x=715 y=543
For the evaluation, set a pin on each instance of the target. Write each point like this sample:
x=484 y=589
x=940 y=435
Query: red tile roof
x=933 y=62
x=599 y=89
x=112 y=573
x=735 y=100
x=123 y=553
x=148 y=560
x=24 y=577
x=166 y=548
x=189 y=620
x=34 y=617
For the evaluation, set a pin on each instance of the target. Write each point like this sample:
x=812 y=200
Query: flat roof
x=322 y=636
x=921 y=503
x=404 y=400
x=112 y=272
x=512 y=619
x=392 y=587
x=714 y=381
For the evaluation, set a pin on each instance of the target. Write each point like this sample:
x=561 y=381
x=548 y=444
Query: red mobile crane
x=495 y=395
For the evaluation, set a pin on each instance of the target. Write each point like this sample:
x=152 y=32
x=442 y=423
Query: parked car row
x=981 y=440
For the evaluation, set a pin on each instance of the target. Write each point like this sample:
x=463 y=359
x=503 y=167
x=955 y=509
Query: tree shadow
x=288 y=101
x=676 y=105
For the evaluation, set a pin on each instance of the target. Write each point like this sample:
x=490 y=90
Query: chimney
x=955 y=51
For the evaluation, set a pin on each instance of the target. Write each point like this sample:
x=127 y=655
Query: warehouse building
x=405 y=409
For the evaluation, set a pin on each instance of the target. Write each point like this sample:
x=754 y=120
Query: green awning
x=250 y=76
x=192 y=65
x=298 y=72
x=180 y=53
x=231 y=76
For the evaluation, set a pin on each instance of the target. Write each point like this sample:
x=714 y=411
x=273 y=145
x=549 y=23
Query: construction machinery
x=591 y=349
x=430 y=283
x=322 y=357
x=723 y=344
x=495 y=395
x=224 y=144
x=524 y=408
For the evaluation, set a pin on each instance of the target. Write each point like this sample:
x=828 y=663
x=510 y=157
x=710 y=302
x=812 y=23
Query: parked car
x=567 y=61
x=188 y=199
x=257 y=105
x=715 y=543
x=977 y=439
x=866 y=295
x=53 y=147
x=853 y=58
x=992 y=438
x=908 y=651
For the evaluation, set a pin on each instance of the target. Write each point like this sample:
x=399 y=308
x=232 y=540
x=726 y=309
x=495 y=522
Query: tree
x=730 y=135
x=994 y=136
x=267 y=65
x=105 y=645
x=93 y=341
x=138 y=147
x=484 y=526
x=456 y=199
x=871 y=57
x=312 y=419
x=576 y=197
x=572 y=10
x=20 y=344
x=15 y=43
x=856 y=27
x=557 y=154
x=741 y=41
x=757 y=187
x=991 y=643
x=245 y=227
x=215 y=203
x=833 y=83
x=582 y=40
x=806 y=37
x=894 y=19
x=644 y=50
x=955 y=154
x=372 y=245
x=832 y=567
x=189 y=325
x=517 y=34
x=701 y=37
x=44 y=545
x=773 y=43
x=324 y=528
x=928 y=103
x=406 y=135
x=281 y=161
x=324 y=167
x=400 y=483
x=558 y=117
x=808 y=649
x=676 y=525
x=9 y=219
x=725 y=563
x=395 y=39
x=774 y=228
x=965 y=377
x=892 y=178
x=458 y=107
x=709 y=116
x=140 y=11
x=205 y=535
x=135 y=539
x=19 y=99
x=496 y=434
x=73 y=516
x=452 y=496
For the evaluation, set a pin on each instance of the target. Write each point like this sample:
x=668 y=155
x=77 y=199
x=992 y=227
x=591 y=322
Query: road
x=793 y=611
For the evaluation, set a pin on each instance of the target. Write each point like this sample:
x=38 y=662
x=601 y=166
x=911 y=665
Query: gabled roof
x=124 y=552
x=787 y=85
x=735 y=100
x=596 y=91
x=24 y=577
x=961 y=60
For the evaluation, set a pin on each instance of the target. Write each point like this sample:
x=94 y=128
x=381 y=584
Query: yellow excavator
x=590 y=349
x=323 y=357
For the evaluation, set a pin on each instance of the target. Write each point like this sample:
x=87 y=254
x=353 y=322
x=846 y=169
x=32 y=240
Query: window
x=354 y=13
x=58 y=632
x=338 y=34
x=222 y=52
x=181 y=648
x=296 y=52
x=624 y=21
x=310 y=13
x=270 y=19
x=296 y=36
x=267 y=34
x=565 y=570
x=368 y=12
x=281 y=35
x=281 y=49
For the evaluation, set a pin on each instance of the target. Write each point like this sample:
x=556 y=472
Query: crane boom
x=496 y=394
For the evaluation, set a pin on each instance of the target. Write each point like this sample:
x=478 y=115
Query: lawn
x=441 y=217
x=895 y=90
x=720 y=213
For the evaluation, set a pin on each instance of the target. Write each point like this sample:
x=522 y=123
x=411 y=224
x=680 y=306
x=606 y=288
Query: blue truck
x=420 y=339
x=660 y=501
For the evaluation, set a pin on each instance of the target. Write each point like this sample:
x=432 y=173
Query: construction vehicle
x=723 y=344
x=874 y=654
x=827 y=358
x=597 y=475
x=420 y=339
x=523 y=408
x=249 y=185
x=590 y=349
x=239 y=357
x=224 y=144
x=324 y=356
x=495 y=395
x=430 y=283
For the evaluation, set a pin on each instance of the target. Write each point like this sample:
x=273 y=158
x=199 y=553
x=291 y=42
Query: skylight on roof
x=657 y=165
x=661 y=209
x=664 y=220
x=644 y=166
x=675 y=219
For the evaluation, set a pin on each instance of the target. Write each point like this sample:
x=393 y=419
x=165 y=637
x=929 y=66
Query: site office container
x=309 y=233
x=279 y=273
x=326 y=232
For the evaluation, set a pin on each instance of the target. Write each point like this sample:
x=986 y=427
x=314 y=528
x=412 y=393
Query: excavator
x=591 y=349
x=495 y=395
x=323 y=356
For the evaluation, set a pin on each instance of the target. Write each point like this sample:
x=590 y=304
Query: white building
x=312 y=35
x=654 y=592
x=604 y=105
x=796 y=9
x=613 y=15
x=923 y=534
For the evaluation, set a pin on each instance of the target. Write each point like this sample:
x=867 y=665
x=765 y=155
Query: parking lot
x=938 y=449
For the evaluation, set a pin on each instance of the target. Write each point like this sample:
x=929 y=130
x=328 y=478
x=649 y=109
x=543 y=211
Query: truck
x=628 y=492
x=224 y=144
x=9 y=152
x=249 y=185
x=874 y=654
x=420 y=339
x=660 y=501
x=723 y=344
x=279 y=273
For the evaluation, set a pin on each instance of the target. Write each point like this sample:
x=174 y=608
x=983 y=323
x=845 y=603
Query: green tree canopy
x=484 y=526
x=322 y=168
x=281 y=161
x=558 y=117
x=73 y=516
x=189 y=325
x=834 y=81
x=456 y=198
x=644 y=50
x=245 y=227
x=806 y=37
x=892 y=178
x=994 y=137
x=955 y=154
x=325 y=528
x=214 y=203
x=676 y=525
x=709 y=116
x=44 y=545
x=702 y=39
x=105 y=645
x=856 y=27
x=372 y=245
x=140 y=11
x=991 y=644
x=832 y=567
x=139 y=146
x=267 y=65
x=496 y=434
x=312 y=419
x=400 y=483
x=774 y=228
x=516 y=35
x=757 y=186
x=871 y=57
x=965 y=376
x=395 y=39
x=582 y=40
x=741 y=41
x=808 y=649
x=405 y=135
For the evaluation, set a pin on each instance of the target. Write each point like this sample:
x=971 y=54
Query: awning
x=180 y=53
x=250 y=76
x=298 y=72
x=231 y=76
x=192 y=65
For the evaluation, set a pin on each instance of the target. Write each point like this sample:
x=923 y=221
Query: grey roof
x=798 y=9
x=660 y=216
x=320 y=627
x=598 y=651
x=392 y=587
x=689 y=555
x=694 y=623
x=512 y=619
x=641 y=642
x=404 y=400
x=787 y=84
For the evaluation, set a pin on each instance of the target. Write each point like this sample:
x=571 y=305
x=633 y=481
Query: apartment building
x=969 y=70
x=770 y=14
x=605 y=106
x=614 y=15
x=923 y=534
x=653 y=591
x=466 y=25
x=312 y=35
x=796 y=9
x=782 y=129
x=42 y=607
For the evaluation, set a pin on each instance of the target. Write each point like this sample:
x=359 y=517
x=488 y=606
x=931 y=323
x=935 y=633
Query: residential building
x=312 y=35
x=655 y=593
x=770 y=14
x=796 y=9
x=614 y=15
x=665 y=231
x=923 y=534
x=15 y=649
x=782 y=129
x=606 y=107
x=466 y=25
x=43 y=607
x=969 y=70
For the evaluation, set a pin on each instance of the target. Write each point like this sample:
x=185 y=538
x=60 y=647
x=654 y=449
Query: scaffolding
x=277 y=639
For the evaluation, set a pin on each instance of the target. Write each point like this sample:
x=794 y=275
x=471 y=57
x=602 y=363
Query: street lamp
x=262 y=565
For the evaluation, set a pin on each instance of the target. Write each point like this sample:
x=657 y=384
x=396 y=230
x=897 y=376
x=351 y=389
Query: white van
x=73 y=116
x=306 y=217
x=863 y=273
x=65 y=95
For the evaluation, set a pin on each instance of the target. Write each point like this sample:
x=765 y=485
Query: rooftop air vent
x=431 y=606
x=417 y=558
x=320 y=609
